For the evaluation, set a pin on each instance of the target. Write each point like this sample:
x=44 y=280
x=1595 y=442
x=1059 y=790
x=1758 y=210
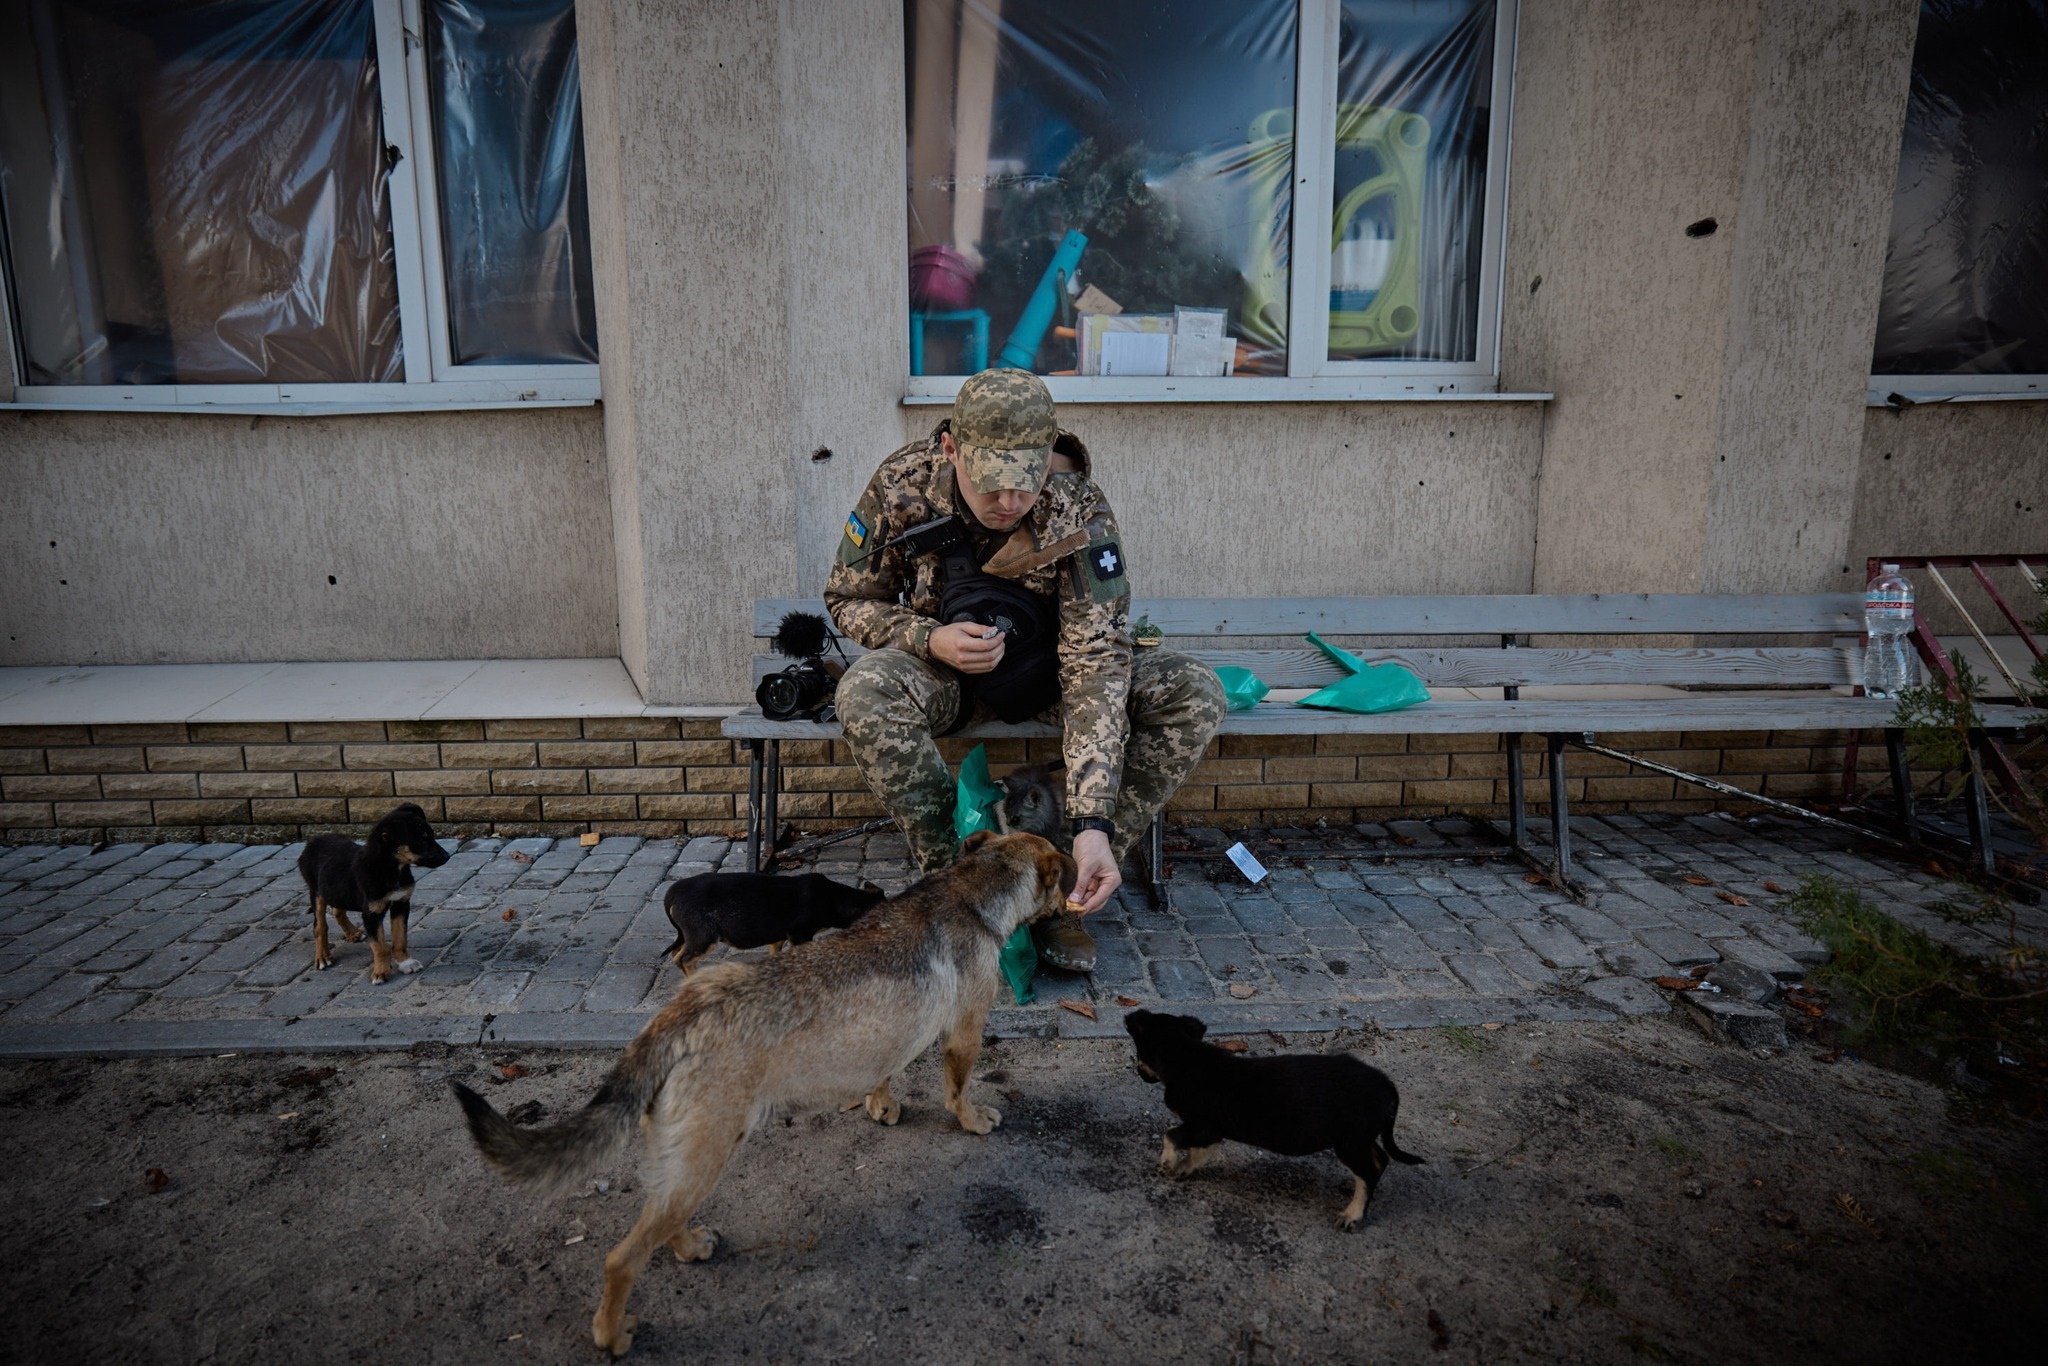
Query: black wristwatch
x=1081 y=823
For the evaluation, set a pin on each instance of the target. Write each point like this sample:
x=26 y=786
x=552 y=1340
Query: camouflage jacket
x=1067 y=549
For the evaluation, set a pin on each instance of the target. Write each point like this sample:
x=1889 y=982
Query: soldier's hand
x=1098 y=876
x=963 y=645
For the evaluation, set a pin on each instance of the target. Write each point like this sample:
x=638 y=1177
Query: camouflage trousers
x=891 y=704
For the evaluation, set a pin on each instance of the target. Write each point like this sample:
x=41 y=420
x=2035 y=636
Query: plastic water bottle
x=1889 y=666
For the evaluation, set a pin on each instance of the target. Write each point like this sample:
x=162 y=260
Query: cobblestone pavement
x=179 y=947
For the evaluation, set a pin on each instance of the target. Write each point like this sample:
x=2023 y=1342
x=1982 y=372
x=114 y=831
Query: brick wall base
x=646 y=776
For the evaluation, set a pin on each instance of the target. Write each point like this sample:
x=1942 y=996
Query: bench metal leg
x=1980 y=817
x=1902 y=778
x=771 y=792
x=1560 y=809
x=753 y=804
x=1518 y=816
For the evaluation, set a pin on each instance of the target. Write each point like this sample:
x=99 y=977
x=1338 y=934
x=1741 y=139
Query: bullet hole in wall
x=1536 y=284
x=64 y=582
x=1704 y=228
x=822 y=453
x=1887 y=455
x=330 y=580
x=53 y=545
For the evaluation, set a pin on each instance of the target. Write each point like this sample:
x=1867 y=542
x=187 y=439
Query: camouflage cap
x=1003 y=424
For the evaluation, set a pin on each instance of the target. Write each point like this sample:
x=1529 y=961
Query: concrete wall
x=1310 y=499
x=746 y=170
x=140 y=539
x=1953 y=479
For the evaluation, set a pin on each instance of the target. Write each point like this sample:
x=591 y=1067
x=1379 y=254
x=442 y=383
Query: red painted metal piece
x=2010 y=615
x=1936 y=659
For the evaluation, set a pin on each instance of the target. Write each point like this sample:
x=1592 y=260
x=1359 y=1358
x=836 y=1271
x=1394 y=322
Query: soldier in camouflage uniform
x=1135 y=722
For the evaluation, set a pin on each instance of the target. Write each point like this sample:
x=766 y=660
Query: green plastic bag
x=1241 y=687
x=1371 y=688
x=975 y=795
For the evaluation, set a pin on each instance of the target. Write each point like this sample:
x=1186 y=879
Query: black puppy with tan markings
x=1295 y=1104
x=811 y=1029
x=372 y=879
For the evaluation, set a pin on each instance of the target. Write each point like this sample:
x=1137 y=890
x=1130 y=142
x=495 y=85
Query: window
x=1965 y=302
x=1107 y=194
x=309 y=203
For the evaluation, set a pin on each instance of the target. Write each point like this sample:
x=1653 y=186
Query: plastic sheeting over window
x=515 y=216
x=1414 y=95
x=195 y=192
x=1966 y=272
x=1099 y=189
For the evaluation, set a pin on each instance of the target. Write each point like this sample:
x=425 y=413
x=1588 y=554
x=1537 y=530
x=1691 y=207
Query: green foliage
x=1137 y=253
x=1937 y=721
x=1464 y=1040
x=1902 y=989
x=1672 y=1146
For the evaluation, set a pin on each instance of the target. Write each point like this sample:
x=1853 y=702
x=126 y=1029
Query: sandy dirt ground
x=1593 y=1193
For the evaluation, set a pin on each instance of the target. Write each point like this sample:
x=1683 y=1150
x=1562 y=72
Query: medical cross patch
x=1103 y=579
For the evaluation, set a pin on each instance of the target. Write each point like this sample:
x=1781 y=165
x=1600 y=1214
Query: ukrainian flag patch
x=856 y=530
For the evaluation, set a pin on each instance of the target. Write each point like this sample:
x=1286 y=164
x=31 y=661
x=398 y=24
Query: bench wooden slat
x=1462 y=667
x=1696 y=713
x=1477 y=614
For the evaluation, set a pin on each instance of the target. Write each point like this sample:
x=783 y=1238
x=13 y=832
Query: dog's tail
x=563 y=1155
x=1393 y=1151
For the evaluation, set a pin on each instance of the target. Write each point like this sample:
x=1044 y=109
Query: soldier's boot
x=890 y=704
x=1063 y=943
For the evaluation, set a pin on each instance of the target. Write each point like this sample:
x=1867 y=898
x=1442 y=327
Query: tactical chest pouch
x=1028 y=680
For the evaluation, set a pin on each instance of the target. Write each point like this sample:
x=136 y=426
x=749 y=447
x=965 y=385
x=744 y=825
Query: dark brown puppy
x=747 y=910
x=1295 y=1104
x=371 y=879
x=803 y=1031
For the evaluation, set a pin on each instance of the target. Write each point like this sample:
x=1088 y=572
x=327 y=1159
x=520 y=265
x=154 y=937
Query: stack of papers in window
x=1185 y=342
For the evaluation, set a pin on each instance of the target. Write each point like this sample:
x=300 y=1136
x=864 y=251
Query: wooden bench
x=1795 y=682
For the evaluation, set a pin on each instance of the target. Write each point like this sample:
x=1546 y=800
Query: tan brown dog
x=811 y=1029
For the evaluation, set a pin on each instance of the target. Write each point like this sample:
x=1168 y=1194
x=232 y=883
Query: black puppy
x=1298 y=1104
x=747 y=910
x=370 y=879
x=1035 y=802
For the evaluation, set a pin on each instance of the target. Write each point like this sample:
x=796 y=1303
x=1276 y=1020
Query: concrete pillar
x=1827 y=110
x=746 y=187
x=1709 y=384
x=690 y=223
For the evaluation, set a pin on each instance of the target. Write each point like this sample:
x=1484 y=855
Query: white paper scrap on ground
x=1246 y=864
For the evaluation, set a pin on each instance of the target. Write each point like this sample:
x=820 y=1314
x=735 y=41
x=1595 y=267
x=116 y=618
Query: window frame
x=432 y=381
x=1311 y=374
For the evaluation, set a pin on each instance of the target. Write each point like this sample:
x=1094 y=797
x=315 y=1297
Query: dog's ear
x=1136 y=1020
x=1057 y=869
x=976 y=840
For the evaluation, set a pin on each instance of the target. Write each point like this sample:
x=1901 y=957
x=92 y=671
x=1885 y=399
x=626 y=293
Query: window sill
x=938 y=390
x=307 y=400
x=2006 y=389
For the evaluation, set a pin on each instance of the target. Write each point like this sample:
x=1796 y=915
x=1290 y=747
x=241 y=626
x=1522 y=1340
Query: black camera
x=803 y=689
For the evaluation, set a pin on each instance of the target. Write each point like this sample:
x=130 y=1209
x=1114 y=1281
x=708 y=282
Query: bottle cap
x=1889 y=568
